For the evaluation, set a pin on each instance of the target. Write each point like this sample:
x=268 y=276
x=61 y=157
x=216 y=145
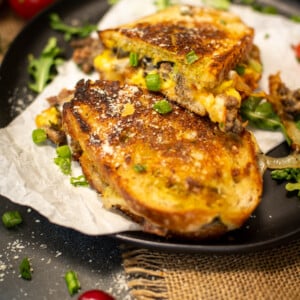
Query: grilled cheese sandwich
x=171 y=170
x=197 y=54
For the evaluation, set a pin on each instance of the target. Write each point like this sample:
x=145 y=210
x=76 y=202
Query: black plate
x=276 y=219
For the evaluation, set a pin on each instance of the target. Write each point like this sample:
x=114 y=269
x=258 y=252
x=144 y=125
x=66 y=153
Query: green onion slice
x=133 y=59
x=39 y=136
x=64 y=164
x=25 y=269
x=79 y=181
x=72 y=282
x=191 y=57
x=162 y=107
x=11 y=219
x=64 y=151
x=139 y=168
x=153 y=82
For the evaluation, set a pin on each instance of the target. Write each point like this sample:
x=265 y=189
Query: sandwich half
x=203 y=59
x=174 y=172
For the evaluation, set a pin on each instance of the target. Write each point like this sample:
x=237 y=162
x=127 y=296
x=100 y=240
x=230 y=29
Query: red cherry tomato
x=28 y=8
x=297 y=51
x=95 y=295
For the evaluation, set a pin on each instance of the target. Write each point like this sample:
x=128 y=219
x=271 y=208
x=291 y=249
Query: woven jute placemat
x=266 y=274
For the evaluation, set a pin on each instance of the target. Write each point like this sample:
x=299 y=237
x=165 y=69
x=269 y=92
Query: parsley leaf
x=43 y=68
x=69 y=31
x=260 y=114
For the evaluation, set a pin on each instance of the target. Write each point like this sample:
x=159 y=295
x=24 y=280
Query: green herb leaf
x=79 y=181
x=191 y=57
x=63 y=159
x=39 y=136
x=70 y=31
x=162 y=107
x=25 y=269
x=240 y=69
x=295 y=18
x=11 y=219
x=288 y=174
x=112 y=2
x=72 y=282
x=260 y=114
x=43 y=69
x=265 y=9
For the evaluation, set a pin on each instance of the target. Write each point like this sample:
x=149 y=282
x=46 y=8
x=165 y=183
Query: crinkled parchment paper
x=28 y=174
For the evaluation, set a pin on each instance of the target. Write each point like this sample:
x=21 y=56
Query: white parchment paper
x=28 y=174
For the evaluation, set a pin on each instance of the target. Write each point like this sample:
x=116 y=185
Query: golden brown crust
x=219 y=39
x=193 y=173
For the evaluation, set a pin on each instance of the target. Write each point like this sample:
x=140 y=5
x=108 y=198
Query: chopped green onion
x=162 y=4
x=64 y=151
x=133 y=59
x=11 y=219
x=39 y=136
x=191 y=57
x=64 y=164
x=162 y=107
x=247 y=1
x=153 y=82
x=240 y=69
x=255 y=65
x=72 y=282
x=218 y=4
x=25 y=269
x=139 y=168
x=79 y=181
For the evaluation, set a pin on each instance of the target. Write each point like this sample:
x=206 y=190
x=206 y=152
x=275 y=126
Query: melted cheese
x=212 y=101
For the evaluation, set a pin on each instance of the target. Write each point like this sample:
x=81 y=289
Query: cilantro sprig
x=260 y=114
x=70 y=31
x=44 y=68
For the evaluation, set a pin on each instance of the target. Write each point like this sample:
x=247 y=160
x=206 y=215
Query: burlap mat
x=268 y=274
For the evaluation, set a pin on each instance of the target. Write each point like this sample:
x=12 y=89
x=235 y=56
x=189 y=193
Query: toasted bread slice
x=193 y=49
x=174 y=172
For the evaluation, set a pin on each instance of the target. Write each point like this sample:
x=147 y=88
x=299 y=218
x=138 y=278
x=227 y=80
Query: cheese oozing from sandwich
x=204 y=59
